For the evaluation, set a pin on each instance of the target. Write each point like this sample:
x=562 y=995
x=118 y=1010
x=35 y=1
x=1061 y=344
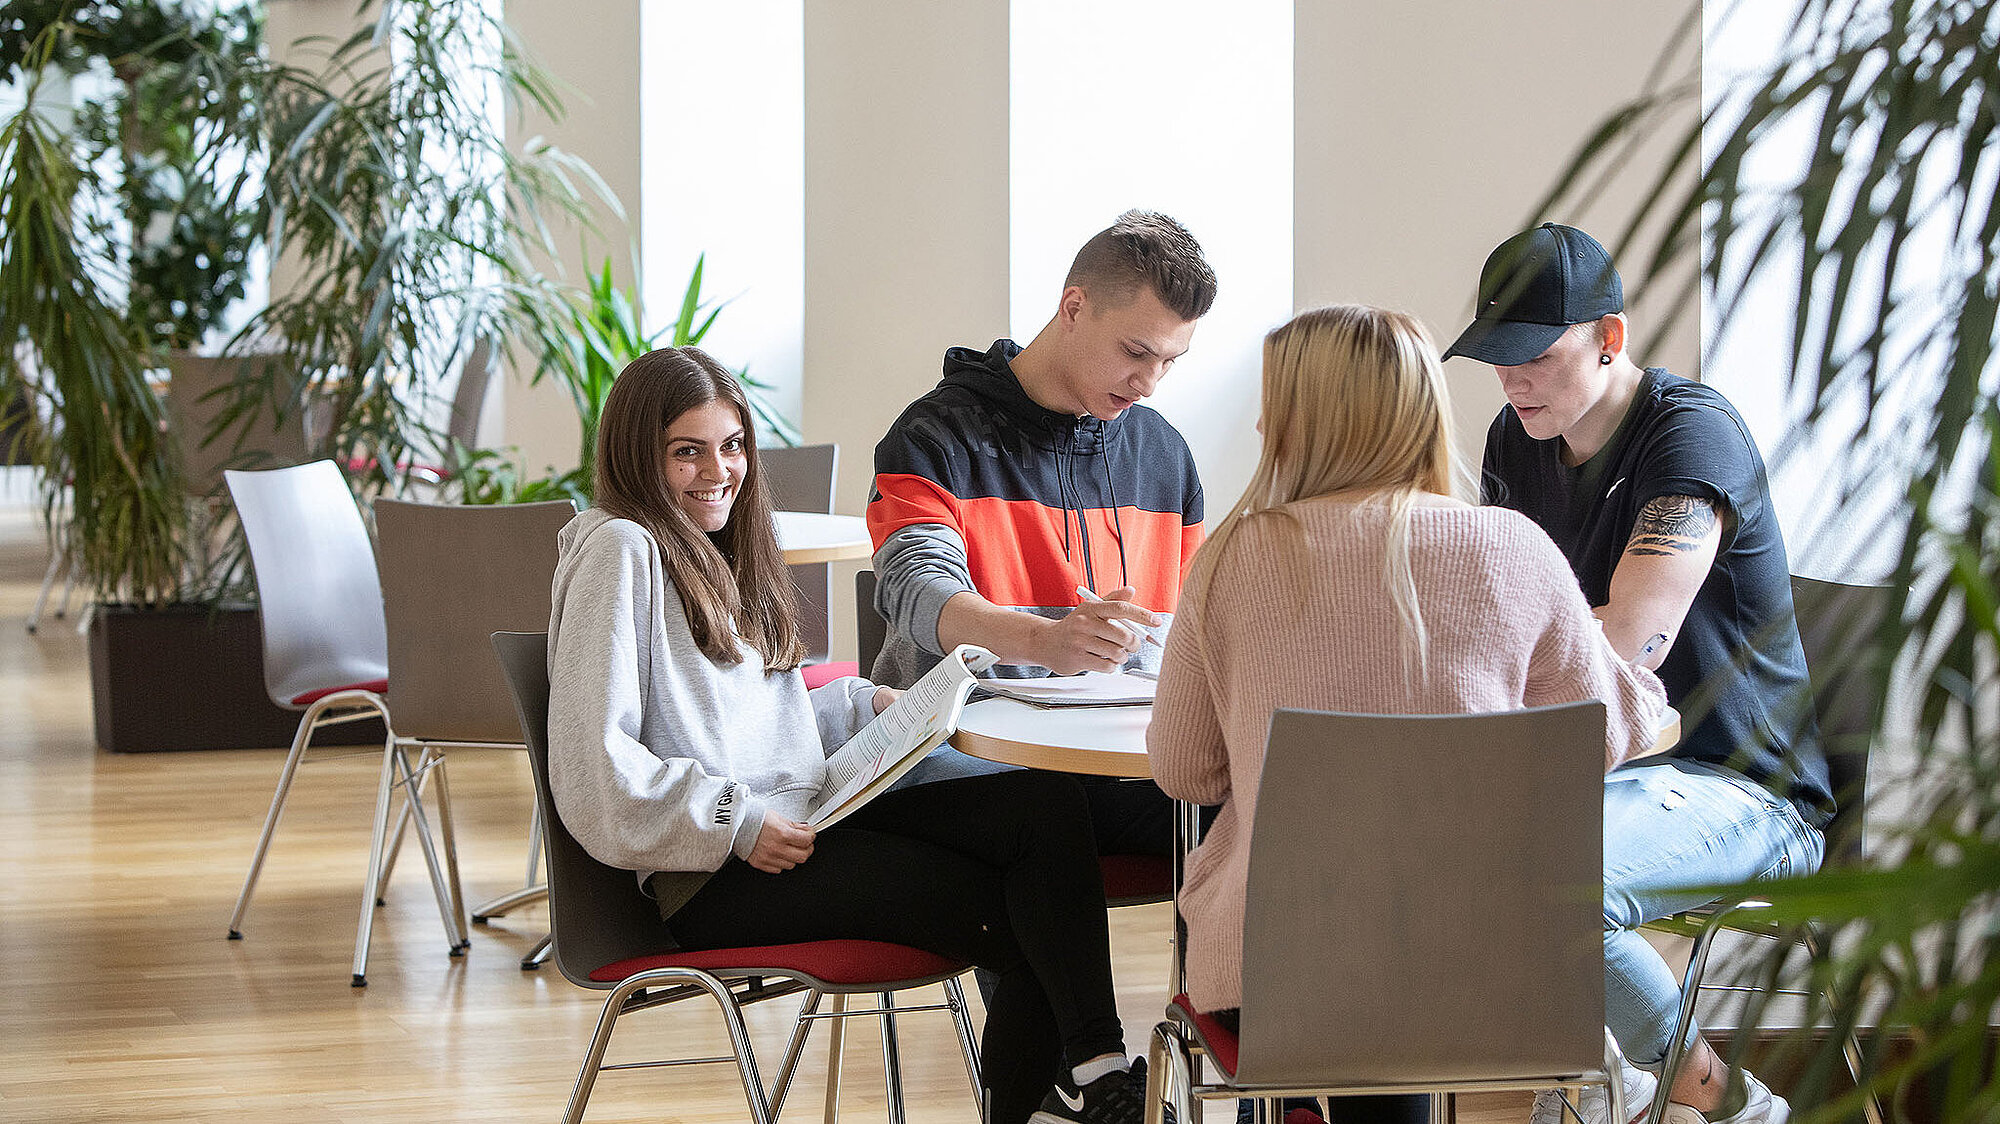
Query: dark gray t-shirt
x=1736 y=672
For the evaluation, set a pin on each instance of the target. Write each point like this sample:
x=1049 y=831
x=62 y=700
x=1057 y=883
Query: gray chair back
x=200 y=397
x=1426 y=898
x=871 y=628
x=597 y=914
x=452 y=576
x=470 y=398
x=1840 y=628
x=800 y=478
x=319 y=598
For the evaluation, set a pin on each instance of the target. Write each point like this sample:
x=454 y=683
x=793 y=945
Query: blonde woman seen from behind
x=1350 y=546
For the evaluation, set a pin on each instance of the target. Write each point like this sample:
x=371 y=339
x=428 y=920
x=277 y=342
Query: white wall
x=1427 y=132
x=905 y=217
x=1190 y=114
x=595 y=57
x=722 y=143
x=1837 y=482
x=1424 y=133
x=906 y=207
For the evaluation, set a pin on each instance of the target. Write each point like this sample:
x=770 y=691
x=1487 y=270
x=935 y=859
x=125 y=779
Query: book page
x=900 y=736
x=1092 y=688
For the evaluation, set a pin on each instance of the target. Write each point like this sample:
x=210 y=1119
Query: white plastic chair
x=326 y=654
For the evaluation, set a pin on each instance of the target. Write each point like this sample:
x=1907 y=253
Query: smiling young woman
x=684 y=746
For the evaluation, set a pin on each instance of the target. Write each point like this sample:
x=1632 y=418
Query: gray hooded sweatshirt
x=659 y=758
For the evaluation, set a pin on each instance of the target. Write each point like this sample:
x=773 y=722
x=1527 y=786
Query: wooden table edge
x=1061 y=759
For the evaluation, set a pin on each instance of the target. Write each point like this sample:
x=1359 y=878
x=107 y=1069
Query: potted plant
x=405 y=260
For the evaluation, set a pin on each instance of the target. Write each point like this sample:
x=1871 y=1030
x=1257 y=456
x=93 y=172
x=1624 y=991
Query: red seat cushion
x=820 y=674
x=379 y=686
x=831 y=961
x=1132 y=879
x=1220 y=1043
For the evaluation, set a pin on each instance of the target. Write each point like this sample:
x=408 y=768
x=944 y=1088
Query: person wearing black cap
x=1651 y=486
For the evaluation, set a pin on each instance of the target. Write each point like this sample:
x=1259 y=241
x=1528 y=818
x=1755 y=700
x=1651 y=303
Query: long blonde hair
x=1354 y=400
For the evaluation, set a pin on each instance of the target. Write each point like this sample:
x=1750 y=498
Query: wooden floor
x=121 y=999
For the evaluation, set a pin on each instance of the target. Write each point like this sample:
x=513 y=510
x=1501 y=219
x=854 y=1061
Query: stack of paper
x=1092 y=688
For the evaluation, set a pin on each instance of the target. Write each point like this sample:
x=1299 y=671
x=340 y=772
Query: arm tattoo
x=1670 y=525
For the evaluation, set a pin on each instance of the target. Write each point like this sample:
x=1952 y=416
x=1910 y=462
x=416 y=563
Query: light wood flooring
x=121 y=999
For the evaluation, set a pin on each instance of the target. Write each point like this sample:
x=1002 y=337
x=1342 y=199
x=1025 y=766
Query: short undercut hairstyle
x=1146 y=248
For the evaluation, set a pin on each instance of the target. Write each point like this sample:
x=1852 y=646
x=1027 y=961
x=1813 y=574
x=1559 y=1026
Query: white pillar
x=594 y=54
x=906 y=209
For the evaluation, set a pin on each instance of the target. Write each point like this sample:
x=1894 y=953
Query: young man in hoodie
x=1031 y=505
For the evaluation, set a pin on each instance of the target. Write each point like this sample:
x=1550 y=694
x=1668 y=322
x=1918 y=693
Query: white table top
x=1106 y=741
x=815 y=536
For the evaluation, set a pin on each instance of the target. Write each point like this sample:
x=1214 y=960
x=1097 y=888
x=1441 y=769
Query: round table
x=1106 y=741
x=816 y=536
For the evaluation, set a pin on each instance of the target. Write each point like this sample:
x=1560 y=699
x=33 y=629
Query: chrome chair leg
x=1871 y=1109
x=450 y=838
x=1677 y=1044
x=836 y=1049
x=394 y=849
x=732 y=1018
x=968 y=1045
x=375 y=843
x=794 y=1046
x=538 y=955
x=531 y=890
x=309 y=722
x=441 y=886
x=57 y=558
x=396 y=762
x=506 y=903
x=892 y=1060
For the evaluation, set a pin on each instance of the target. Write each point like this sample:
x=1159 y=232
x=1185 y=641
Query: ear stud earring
x=1603 y=360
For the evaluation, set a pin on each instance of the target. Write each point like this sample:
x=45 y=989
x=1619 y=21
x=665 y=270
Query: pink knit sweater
x=1298 y=615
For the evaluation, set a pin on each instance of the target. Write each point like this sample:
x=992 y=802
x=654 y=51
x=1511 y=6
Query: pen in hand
x=1144 y=636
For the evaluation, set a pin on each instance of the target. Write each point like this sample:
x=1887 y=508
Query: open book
x=900 y=736
x=1092 y=688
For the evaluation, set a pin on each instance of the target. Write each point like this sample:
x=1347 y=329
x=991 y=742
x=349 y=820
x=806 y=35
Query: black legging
x=996 y=870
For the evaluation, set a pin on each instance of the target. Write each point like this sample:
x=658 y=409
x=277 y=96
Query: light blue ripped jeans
x=1667 y=826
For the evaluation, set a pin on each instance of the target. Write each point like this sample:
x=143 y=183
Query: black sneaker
x=1115 y=1098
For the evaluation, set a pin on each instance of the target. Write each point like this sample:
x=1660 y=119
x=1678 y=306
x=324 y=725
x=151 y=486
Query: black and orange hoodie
x=978 y=487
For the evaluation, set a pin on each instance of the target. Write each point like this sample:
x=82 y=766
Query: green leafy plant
x=415 y=228
x=606 y=335
x=105 y=452
x=171 y=147
x=1854 y=172
x=384 y=179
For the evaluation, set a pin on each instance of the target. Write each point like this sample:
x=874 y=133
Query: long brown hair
x=732 y=584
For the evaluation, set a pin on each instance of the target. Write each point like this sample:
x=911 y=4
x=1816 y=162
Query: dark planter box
x=191 y=677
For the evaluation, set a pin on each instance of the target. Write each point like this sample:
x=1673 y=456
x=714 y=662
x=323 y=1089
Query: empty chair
x=452 y=575
x=1424 y=844
x=326 y=653
x=801 y=479
x=871 y=629
x=1838 y=628
x=339 y=629
x=608 y=937
x=198 y=402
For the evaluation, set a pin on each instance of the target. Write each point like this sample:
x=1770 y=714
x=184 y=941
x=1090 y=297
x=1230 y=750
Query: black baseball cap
x=1532 y=288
